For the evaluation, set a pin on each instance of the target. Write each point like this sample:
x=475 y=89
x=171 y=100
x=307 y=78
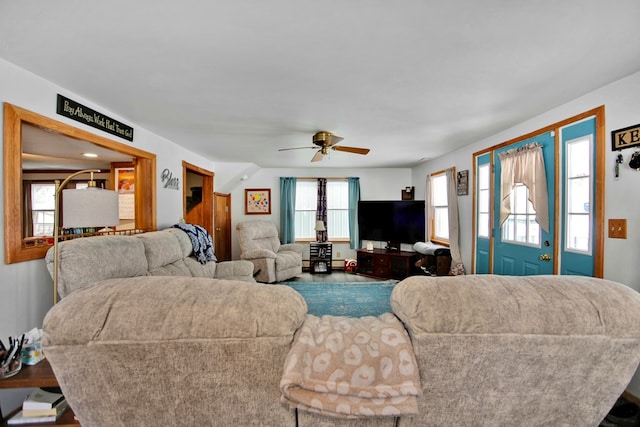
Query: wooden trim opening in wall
x=203 y=214
x=14 y=118
x=599 y=175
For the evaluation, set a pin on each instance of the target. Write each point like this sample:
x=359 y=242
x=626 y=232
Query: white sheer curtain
x=457 y=268
x=525 y=165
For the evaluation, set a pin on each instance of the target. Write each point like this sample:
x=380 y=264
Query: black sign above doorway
x=80 y=113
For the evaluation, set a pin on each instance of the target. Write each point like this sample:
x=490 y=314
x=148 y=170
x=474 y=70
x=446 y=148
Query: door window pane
x=578 y=184
x=483 y=201
x=578 y=232
x=521 y=226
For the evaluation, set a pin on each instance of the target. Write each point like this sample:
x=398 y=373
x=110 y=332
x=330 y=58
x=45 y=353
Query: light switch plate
x=618 y=228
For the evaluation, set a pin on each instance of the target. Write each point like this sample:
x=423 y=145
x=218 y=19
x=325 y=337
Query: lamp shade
x=89 y=207
x=320 y=226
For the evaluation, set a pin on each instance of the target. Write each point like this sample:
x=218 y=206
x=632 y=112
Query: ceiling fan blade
x=333 y=140
x=354 y=150
x=294 y=148
x=318 y=156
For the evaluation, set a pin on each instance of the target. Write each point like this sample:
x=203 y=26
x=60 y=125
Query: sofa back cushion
x=258 y=235
x=164 y=254
x=93 y=259
x=484 y=343
x=144 y=346
x=157 y=309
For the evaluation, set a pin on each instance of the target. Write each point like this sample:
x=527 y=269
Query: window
x=306 y=203
x=483 y=201
x=337 y=209
x=42 y=208
x=440 y=207
x=521 y=226
x=578 y=201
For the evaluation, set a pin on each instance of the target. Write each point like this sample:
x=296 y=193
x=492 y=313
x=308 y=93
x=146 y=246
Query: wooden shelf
x=38 y=375
x=320 y=257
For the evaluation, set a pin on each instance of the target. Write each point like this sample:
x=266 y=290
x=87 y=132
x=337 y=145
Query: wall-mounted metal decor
x=168 y=181
x=462 y=183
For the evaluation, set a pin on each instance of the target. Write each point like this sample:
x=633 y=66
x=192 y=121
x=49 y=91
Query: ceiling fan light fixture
x=321 y=137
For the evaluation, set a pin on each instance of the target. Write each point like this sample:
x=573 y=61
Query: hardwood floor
x=335 y=276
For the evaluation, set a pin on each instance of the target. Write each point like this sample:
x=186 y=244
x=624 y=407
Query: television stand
x=387 y=264
x=393 y=246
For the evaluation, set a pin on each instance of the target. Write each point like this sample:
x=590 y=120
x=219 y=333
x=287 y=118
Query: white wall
x=375 y=184
x=622 y=199
x=26 y=287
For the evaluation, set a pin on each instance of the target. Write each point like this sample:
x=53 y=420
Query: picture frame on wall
x=257 y=201
x=463 y=183
x=125 y=186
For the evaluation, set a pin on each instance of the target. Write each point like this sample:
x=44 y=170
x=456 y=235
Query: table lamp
x=319 y=229
x=87 y=207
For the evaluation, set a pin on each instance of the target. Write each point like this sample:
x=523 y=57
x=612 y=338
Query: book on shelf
x=59 y=408
x=42 y=399
x=20 y=418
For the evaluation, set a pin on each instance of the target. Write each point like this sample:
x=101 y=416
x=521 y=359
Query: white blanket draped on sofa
x=351 y=367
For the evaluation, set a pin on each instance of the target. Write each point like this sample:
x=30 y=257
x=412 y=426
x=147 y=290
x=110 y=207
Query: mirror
x=37 y=146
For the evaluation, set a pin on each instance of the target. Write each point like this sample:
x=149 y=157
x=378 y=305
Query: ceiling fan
x=327 y=141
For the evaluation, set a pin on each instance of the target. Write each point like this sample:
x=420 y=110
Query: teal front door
x=574 y=170
x=521 y=246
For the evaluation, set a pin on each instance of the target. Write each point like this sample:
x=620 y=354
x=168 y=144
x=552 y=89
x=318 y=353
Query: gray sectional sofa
x=491 y=350
x=167 y=252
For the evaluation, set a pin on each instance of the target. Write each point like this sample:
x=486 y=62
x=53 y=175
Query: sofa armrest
x=258 y=253
x=293 y=247
x=234 y=269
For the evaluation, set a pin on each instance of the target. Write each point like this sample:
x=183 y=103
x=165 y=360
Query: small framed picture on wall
x=463 y=183
x=257 y=201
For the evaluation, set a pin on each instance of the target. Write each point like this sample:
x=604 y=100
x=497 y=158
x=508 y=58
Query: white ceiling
x=236 y=80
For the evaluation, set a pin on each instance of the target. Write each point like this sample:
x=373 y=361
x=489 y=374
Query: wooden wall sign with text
x=78 y=112
x=625 y=137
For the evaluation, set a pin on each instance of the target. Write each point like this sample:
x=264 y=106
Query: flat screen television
x=399 y=221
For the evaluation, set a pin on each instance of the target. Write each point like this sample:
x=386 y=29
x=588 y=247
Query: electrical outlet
x=617 y=228
x=338 y=254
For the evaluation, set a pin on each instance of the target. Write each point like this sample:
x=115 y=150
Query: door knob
x=545 y=257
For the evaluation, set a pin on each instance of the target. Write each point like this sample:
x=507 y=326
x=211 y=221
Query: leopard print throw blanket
x=351 y=367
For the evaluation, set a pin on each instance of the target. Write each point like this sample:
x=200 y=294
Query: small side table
x=320 y=255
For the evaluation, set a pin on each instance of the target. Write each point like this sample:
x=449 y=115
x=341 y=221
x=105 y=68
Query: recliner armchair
x=273 y=261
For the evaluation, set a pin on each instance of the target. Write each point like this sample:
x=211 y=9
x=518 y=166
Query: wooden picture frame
x=408 y=193
x=124 y=183
x=125 y=180
x=257 y=201
x=462 y=183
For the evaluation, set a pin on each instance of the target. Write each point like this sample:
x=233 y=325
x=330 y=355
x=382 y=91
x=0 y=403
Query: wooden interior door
x=199 y=212
x=222 y=224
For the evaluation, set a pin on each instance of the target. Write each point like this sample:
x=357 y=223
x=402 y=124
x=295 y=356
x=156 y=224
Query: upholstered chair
x=272 y=261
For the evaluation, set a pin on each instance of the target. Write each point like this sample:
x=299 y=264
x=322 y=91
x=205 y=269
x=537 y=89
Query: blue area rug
x=353 y=299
